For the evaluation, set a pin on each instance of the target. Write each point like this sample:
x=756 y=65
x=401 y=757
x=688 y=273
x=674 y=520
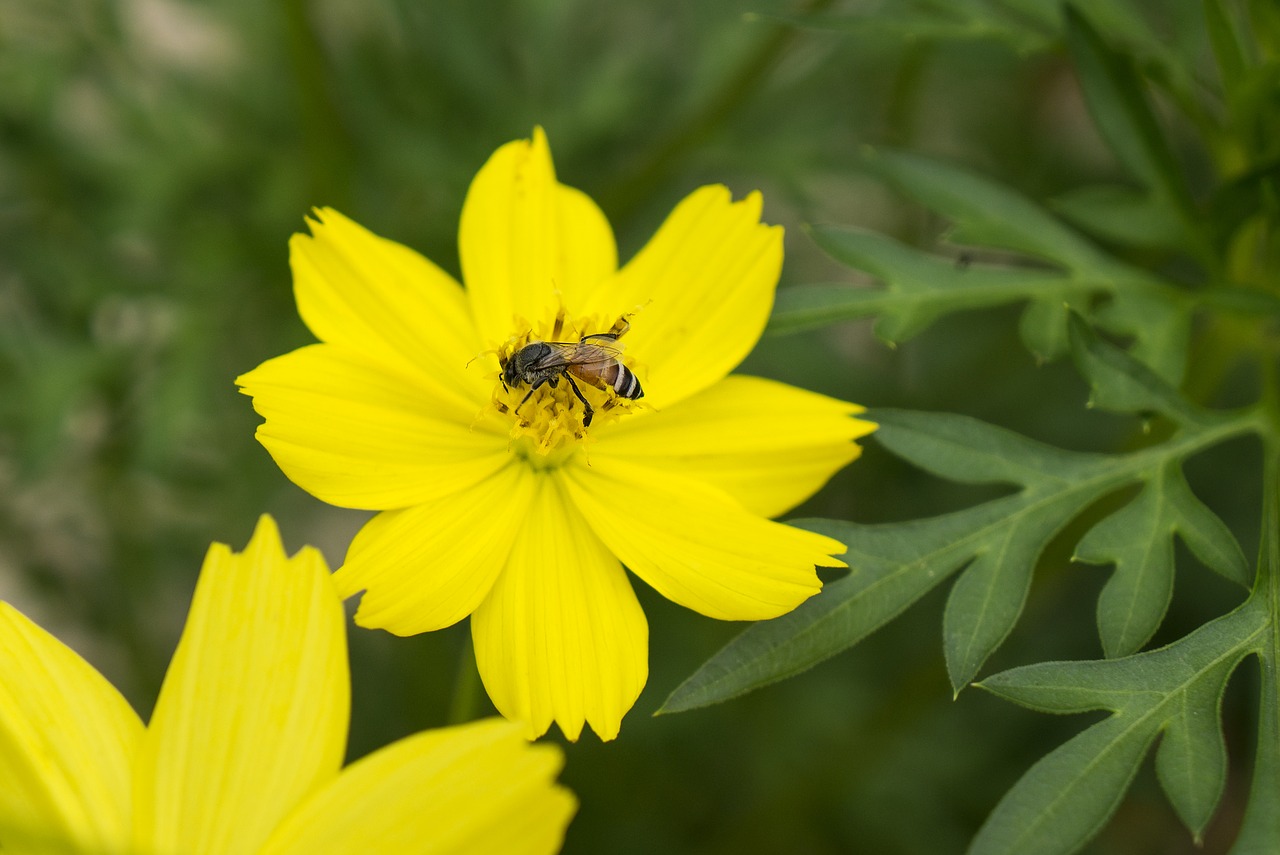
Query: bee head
x=514 y=367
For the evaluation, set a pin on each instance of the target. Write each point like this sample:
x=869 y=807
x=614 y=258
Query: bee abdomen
x=623 y=381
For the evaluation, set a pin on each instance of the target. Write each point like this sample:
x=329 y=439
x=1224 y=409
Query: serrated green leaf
x=921 y=287
x=1114 y=95
x=1043 y=328
x=988 y=597
x=969 y=451
x=1261 y=827
x=1204 y=532
x=1226 y=45
x=1133 y=681
x=1120 y=215
x=1065 y=798
x=1119 y=382
x=963 y=21
x=1160 y=324
x=1125 y=23
x=1138 y=539
x=806 y=307
x=895 y=564
x=1191 y=762
x=985 y=212
x=1231 y=205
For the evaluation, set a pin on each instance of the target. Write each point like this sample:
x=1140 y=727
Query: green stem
x=1261 y=826
x=464 y=706
x=326 y=143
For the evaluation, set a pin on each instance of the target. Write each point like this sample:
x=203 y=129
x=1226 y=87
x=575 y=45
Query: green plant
x=1158 y=290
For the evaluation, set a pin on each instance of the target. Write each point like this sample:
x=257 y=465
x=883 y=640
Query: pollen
x=562 y=379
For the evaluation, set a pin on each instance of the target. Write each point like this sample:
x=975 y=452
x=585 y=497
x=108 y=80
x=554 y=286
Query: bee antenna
x=492 y=350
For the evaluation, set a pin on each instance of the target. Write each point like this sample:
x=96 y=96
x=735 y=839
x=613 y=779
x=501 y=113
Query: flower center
x=560 y=379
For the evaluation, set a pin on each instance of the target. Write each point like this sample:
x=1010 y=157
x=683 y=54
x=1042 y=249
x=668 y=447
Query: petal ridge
x=561 y=636
x=67 y=743
x=768 y=444
x=695 y=545
x=253 y=711
x=429 y=566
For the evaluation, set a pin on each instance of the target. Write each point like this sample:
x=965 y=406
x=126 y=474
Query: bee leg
x=528 y=395
x=620 y=326
x=587 y=412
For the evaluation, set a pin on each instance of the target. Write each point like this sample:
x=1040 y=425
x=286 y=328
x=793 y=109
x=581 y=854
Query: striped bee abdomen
x=623 y=380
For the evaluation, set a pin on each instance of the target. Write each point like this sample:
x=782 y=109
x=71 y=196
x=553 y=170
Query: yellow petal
x=253 y=713
x=767 y=444
x=527 y=242
x=697 y=546
x=705 y=282
x=561 y=636
x=477 y=788
x=355 y=433
x=67 y=742
x=382 y=299
x=429 y=566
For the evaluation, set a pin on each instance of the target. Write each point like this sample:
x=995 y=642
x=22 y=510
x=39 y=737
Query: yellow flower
x=244 y=750
x=515 y=511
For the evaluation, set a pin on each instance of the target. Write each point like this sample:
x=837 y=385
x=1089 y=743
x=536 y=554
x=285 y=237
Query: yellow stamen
x=547 y=428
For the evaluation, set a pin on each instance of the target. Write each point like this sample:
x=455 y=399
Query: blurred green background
x=155 y=156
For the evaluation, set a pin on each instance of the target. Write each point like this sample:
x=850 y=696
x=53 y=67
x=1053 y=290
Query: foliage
x=1173 y=271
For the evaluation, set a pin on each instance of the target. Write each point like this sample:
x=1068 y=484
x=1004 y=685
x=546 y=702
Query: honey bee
x=593 y=359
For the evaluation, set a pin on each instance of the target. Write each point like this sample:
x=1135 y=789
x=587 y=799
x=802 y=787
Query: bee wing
x=561 y=353
x=598 y=349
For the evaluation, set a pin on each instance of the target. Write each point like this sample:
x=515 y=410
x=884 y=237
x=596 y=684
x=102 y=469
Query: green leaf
x=805 y=307
x=1120 y=215
x=1119 y=382
x=920 y=287
x=1043 y=328
x=1204 y=532
x=1226 y=45
x=896 y=565
x=1235 y=202
x=955 y=21
x=1065 y=798
x=996 y=543
x=973 y=452
x=1113 y=92
x=1160 y=324
x=985 y=212
x=1138 y=539
x=1191 y=762
x=1261 y=827
x=988 y=597
x=1062 y=801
